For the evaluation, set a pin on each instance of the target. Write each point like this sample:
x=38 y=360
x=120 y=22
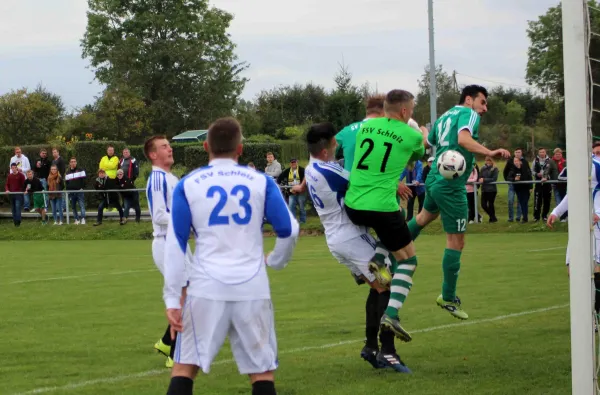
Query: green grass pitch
x=81 y=317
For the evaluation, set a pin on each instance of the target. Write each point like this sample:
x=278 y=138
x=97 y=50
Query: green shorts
x=450 y=202
x=38 y=201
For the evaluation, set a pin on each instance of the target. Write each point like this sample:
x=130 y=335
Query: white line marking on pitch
x=156 y=372
x=35 y=280
x=548 y=249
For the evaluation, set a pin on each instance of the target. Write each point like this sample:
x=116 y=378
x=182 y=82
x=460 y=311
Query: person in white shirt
x=159 y=191
x=23 y=166
x=228 y=292
x=350 y=244
x=562 y=208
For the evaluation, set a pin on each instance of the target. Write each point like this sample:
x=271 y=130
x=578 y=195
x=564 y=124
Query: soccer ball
x=451 y=165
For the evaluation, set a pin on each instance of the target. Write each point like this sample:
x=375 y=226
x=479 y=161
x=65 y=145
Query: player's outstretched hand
x=501 y=152
x=551 y=220
x=174 y=317
x=404 y=192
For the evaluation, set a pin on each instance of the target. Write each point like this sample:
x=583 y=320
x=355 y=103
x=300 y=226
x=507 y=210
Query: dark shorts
x=390 y=227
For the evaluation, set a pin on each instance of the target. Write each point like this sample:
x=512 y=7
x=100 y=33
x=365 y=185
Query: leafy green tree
x=447 y=95
x=176 y=55
x=345 y=104
x=28 y=117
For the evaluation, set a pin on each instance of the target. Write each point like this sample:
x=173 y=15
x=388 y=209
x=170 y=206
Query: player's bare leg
x=263 y=383
x=451 y=267
x=420 y=221
x=182 y=379
x=401 y=285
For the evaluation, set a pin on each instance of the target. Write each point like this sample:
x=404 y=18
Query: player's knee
x=405 y=253
x=182 y=370
x=266 y=376
x=456 y=241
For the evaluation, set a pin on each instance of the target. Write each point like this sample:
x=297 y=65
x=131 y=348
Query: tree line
x=167 y=67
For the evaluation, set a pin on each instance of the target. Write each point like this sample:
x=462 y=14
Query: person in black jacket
x=130 y=198
x=487 y=175
x=543 y=169
x=518 y=173
x=294 y=175
x=511 y=191
x=75 y=179
x=41 y=170
x=103 y=183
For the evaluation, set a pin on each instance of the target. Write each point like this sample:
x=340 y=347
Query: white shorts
x=158 y=254
x=356 y=254
x=596 y=247
x=249 y=324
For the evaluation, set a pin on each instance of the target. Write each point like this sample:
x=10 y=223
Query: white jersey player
x=562 y=209
x=159 y=191
x=228 y=294
x=350 y=244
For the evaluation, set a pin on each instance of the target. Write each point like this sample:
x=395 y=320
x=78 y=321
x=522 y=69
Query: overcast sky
x=384 y=42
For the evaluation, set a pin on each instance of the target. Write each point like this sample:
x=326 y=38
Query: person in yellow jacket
x=110 y=163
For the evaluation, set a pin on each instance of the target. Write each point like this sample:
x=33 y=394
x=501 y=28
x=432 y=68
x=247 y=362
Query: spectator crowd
x=115 y=185
x=50 y=182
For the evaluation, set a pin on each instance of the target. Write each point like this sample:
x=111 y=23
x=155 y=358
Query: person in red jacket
x=15 y=182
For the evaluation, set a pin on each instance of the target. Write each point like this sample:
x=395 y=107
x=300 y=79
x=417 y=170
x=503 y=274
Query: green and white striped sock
x=401 y=285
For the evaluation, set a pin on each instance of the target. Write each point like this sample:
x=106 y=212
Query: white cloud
x=40 y=24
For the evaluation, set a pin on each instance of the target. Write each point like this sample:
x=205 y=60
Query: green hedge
x=195 y=156
x=292 y=149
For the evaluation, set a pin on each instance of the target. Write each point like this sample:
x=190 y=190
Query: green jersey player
x=346 y=138
x=457 y=129
x=384 y=146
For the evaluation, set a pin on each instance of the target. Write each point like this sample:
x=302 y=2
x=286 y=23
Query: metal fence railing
x=146 y=214
x=66 y=194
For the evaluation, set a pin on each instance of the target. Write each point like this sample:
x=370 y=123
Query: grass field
x=81 y=318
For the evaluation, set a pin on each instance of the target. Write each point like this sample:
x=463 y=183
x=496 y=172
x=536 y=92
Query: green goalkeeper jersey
x=384 y=147
x=444 y=137
x=346 y=139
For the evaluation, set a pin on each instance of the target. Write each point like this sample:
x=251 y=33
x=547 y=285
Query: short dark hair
x=110 y=146
x=224 y=135
x=375 y=104
x=518 y=149
x=269 y=153
x=472 y=91
x=319 y=137
x=596 y=144
x=72 y=158
x=541 y=148
x=149 y=145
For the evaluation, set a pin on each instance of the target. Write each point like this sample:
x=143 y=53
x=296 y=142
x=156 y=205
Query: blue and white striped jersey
x=224 y=204
x=595 y=187
x=327 y=183
x=159 y=191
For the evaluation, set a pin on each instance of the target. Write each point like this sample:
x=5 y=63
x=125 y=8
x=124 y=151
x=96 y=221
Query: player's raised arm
x=176 y=247
x=466 y=141
x=284 y=224
x=157 y=198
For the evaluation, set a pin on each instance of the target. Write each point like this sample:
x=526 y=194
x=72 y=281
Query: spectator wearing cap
x=294 y=175
x=15 y=182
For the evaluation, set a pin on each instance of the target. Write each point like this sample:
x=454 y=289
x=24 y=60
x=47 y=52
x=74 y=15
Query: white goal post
x=574 y=25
